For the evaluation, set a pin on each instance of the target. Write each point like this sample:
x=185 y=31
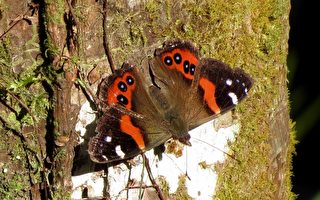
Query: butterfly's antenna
x=187 y=175
x=90 y=96
x=230 y=155
x=155 y=185
x=177 y=166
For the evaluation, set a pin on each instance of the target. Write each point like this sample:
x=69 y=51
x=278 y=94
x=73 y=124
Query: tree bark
x=69 y=36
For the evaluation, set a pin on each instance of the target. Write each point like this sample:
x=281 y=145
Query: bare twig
x=18 y=19
x=33 y=121
x=155 y=185
x=105 y=37
x=132 y=188
x=72 y=13
x=91 y=97
x=21 y=103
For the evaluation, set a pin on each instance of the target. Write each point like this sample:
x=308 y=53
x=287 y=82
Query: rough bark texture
x=46 y=45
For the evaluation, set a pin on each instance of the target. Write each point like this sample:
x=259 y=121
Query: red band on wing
x=209 y=89
x=127 y=127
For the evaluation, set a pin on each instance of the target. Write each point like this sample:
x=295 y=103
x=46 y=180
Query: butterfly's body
x=143 y=110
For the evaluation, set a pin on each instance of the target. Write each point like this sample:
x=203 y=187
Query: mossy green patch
x=23 y=105
x=182 y=191
x=56 y=16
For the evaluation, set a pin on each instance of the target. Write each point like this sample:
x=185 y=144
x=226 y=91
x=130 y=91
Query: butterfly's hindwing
x=130 y=122
x=221 y=86
x=111 y=143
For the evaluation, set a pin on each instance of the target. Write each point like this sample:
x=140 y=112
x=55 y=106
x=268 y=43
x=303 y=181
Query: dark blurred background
x=304 y=83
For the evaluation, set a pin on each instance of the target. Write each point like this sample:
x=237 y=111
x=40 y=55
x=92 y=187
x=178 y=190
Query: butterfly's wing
x=131 y=123
x=199 y=89
x=220 y=87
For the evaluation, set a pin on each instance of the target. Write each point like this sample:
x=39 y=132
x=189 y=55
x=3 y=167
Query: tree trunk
x=46 y=46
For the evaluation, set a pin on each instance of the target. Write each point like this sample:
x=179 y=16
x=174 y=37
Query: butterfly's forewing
x=202 y=88
x=175 y=69
x=130 y=123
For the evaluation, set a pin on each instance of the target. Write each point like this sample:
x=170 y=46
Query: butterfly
x=142 y=109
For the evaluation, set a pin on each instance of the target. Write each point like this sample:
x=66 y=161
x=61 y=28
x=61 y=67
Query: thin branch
x=132 y=188
x=18 y=19
x=21 y=103
x=91 y=97
x=72 y=13
x=33 y=121
x=105 y=36
x=155 y=185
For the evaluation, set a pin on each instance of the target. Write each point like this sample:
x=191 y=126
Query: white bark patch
x=86 y=116
x=208 y=147
x=92 y=181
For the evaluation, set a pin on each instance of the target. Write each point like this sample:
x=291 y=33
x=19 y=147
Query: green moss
x=182 y=191
x=152 y=7
x=56 y=16
x=61 y=194
x=5 y=62
x=21 y=168
x=14 y=188
x=292 y=151
x=51 y=50
x=164 y=185
x=5 y=56
x=19 y=145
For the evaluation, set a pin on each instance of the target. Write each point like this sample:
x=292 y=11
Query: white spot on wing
x=233 y=97
x=229 y=82
x=107 y=139
x=119 y=151
x=246 y=90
